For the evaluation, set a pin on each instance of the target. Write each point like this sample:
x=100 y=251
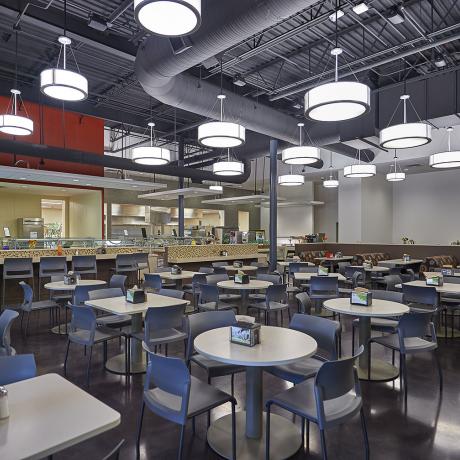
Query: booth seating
x=374 y=257
x=438 y=262
x=310 y=256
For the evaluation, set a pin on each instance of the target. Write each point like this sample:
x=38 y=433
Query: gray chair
x=14 y=269
x=108 y=320
x=152 y=282
x=216 y=278
x=84 y=265
x=219 y=264
x=173 y=394
x=415 y=334
x=28 y=306
x=219 y=271
x=323 y=288
x=194 y=288
x=209 y=299
x=118 y=281
x=172 y=293
x=271 y=278
x=142 y=262
x=331 y=399
x=6 y=321
x=169 y=284
x=85 y=332
x=391 y=281
x=450 y=303
x=326 y=333
x=49 y=267
x=60 y=297
x=421 y=299
x=275 y=302
x=206 y=270
x=305 y=269
x=126 y=264
x=16 y=368
x=303 y=303
x=383 y=325
x=206 y=321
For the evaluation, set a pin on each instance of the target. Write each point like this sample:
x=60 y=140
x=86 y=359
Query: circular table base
x=61 y=329
x=285 y=438
x=381 y=371
x=117 y=365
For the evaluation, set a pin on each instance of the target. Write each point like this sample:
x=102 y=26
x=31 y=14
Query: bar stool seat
x=16 y=269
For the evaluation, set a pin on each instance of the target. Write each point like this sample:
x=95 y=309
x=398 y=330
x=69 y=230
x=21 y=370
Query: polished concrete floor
x=428 y=429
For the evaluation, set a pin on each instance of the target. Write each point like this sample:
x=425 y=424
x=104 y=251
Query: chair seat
x=256 y=297
x=102 y=334
x=298 y=371
x=229 y=297
x=211 y=306
x=272 y=306
x=162 y=336
x=215 y=368
x=380 y=324
x=301 y=401
x=114 y=320
x=203 y=397
x=44 y=304
x=412 y=344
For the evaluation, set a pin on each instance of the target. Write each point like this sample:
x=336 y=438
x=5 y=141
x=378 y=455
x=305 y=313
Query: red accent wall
x=82 y=132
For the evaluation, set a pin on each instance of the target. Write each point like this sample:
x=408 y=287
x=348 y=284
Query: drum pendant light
x=11 y=122
x=405 y=135
x=216 y=188
x=301 y=154
x=291 y=180
x=59 y=82
x=151 y=155
x=396 y=174
x=229 y=167
x=360 y=170
x=331 y=182
x=448 y=159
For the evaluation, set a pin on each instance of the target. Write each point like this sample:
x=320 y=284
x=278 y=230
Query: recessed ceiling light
x=76 y=180
x=360 y=8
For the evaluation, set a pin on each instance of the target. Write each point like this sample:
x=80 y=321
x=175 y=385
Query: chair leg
x=267 y=433
x=308 y=434
x=193 y=425
x=66 y=356
x=404 y=375
x=27 y=323
x=232 y=384
x=369 y=364
x=181 y=442
x=139 y=430
x=302 y=431
x=438 y=363
x=364 y=428
x=88 y=369
x=352 y=339
x=104 y=352
x=209 y=412
x=323 y=444
x=22 y=319
x=233 y=431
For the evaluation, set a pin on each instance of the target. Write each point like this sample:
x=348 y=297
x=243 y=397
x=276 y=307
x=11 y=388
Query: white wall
x=350 y=210
x=327 y=215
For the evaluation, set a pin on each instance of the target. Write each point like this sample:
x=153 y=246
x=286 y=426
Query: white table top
x=253 y=284
x=119 y=305
x=307 y=276
x=400 y=262
x=277 y=346
x=375 y=269
x=60 y=286
x=49 y=414
x=334 y=259
x=286 y=264
x=244 y=268
x=439 y=274
x=380 y=308
x=169 y=276
x=451 y=288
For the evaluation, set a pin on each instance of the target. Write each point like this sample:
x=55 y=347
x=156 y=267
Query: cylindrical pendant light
x=331 y=182
x=360 y=170
x=301 y=154
x=291 y=180
x=151 y=155
x=448 y=159
x=216 y=188
x=228 y=167
x=405 y=135
x=395 y=174
x=170 y=18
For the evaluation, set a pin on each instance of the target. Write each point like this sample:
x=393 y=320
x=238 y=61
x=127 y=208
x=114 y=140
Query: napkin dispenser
x=406 y=257
x=247 y=334
x=323 y=271
x=241 y=278
x=237 y=263
x=361 y=297
x=447 y=272
x=70 y=279
x=435 y=280
x=338 y=254
x=135 y=295
x=367 y=264
x=176 y=270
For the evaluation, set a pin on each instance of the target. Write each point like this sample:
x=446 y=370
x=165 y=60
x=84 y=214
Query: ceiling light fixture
x=448 y=159
x=216 y=188
x=334 y=17
x=301 y=154
x=405 y=135
x=151 y=155
x=360 y=8
x=61 y=83
x=291 y=180
x=229 y=167
x=171 y=18
x=359 y=170
x=331 y=182
x=396 y=174
x=11 y=122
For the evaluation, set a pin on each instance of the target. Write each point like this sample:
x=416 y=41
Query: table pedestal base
x=285 y=438
x=117 y=365
x=61 y=329
x=381 y=371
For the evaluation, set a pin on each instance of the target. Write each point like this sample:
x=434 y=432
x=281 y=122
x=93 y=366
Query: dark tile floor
x=429 y=429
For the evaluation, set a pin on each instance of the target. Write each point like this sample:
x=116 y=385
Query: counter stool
x=49 y=267
x=126 y=264
x=84 y=265
x=16 y=269
x=142 y=260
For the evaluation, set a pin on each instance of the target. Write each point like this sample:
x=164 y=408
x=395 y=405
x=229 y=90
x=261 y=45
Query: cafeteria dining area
x=229 y=229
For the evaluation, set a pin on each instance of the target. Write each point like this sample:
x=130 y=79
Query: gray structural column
x=273 y=202
x=181 y=185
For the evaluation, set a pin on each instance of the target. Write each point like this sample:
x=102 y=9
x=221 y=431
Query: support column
x=181 y=185
x=273 y=202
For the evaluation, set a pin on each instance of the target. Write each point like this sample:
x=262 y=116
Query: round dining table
x=253 y=285
x=381 y=371
x=277 y=346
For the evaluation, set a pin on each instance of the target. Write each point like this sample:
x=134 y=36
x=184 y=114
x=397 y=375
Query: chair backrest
x=219 y=264
x=152 y=281
x=304 y=303
x=452 y=279
x=425 y=295
x=16 y=368
x=220 y=271
x=83 y=319
x=81 y=293
x=141 y=258
x=118 y=281
x=197 y=279
x=276 y=293
x=271 y=278
x=125 y=262
x=28 y=296
x=158 y=319
x=6 y=321
x=335 y=379
x=304 y=268
x=327 y=285
x=17 y=268
x=114 y=454
x=395 y=271
x=105 y=293
x=171 y=376
x=214 y=279
x=208 y=293
x=323 y=330
x=172 y=293
x=207 y=270
x=52 y=266
x=392 y=281
x=295 y=267
x=414 y=325
x=206 y=321
x=342 y=266
x=350 y=270
x=84 y=264
x=407 y=275
x=392 y=296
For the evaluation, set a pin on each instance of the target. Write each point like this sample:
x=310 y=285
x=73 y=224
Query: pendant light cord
x=16 y=63
x=65 y=18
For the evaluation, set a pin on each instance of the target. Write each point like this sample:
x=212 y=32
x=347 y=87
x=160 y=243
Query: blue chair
x=6 y=321
x=303 y=303
x=219 y=271
x=173 y=394
x=194 y=289
x=323 y=288
x=16 y=269
x=175 y=293
x=275 y=301
x=84 y=265
x=391 y=281
x=331 y=399
x=51 y=266
x=209 y=299
x=271 y=278
x=170 y=284
x=152 y=282
x=16 y=368
x=327 y=335
x=421 y=299
x=216 y=278
x=118 y=281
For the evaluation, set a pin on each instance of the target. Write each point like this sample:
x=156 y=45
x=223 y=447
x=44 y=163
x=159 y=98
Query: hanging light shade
x=360 y=170
x=221 y=134
x=151 y=155
x=291 y=180
x=228 y=168
x=405 y=135
x=395 y=174
x=330 y=183
x=11 y=122
x=216 y=188
x=339 y=100
x=61 y=83
x=448 y=159
x=170 y=18
x=301 y=154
